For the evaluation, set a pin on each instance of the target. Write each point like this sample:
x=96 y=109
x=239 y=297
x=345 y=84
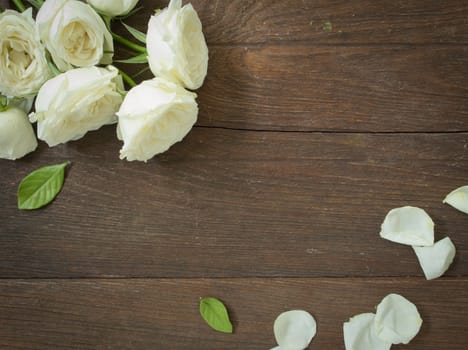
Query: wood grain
x=163 y=314
x=231 y=203
x=306 y=137
x=377 y=89
x=353 y=21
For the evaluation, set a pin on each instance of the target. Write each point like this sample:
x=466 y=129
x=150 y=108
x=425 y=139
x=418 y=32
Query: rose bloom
x=113 y=8
x=75 y=102
x=16 y=134
x=23 y=65
x=154 y=115
x=74 y=34
x=176 y=46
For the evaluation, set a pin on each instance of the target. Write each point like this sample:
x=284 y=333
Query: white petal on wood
x=397 y=320
x=458 y=199
x=408 y=225
x=294 y=329
x=436 y=260
x=359 y=334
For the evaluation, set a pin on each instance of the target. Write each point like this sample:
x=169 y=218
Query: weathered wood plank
x=337 y=88
x=355 y=21
x=231 y=203
x=163 y=314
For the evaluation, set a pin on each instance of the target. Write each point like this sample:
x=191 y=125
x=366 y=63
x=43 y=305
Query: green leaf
x=140 y=36
x=215 y=314
x=41 y=186
x=142 y=58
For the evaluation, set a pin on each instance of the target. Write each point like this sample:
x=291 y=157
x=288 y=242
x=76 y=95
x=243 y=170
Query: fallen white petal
x=435 y=260
x=294 y=330
x=408 y=225
x=458 y=199
x=397 y=320
x=359 y=334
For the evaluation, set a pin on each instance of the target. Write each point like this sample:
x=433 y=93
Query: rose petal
x=359 y=334
x=17 y=136
x=294 y=329
x=154 y=115
x=113 y=8
x=408 y=225
x=435 y=260
x=458 y=199
x=177 y=49
x=397 y=320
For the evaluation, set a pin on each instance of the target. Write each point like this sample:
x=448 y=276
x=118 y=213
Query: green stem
x=128 y=43
x=127 y=79
x=19 y=5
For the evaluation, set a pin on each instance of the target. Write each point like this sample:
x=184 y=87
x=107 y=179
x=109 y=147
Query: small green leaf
x=142 y=58
x=41 y=186
x=215 y=314
x=140 y=36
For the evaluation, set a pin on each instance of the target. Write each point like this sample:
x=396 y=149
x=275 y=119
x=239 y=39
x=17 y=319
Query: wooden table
x=316 y=118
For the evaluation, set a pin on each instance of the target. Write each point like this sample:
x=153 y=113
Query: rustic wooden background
x=306 y=138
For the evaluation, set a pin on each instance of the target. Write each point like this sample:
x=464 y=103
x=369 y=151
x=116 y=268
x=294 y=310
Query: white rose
x=74 y=34
x=176 y=46
x=16 y=134
x=75 y=102
x=154 y=115
x=113 y=8
x=23 y=65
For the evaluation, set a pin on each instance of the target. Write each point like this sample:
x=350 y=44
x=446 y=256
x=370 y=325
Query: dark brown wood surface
x=306 y=138
x=163 y=313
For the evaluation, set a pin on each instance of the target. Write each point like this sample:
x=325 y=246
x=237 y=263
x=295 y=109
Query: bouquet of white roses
x=61 y=63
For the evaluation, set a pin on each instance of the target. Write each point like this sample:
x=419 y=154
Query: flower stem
x=129 y=44
x=127 y=79
x=19 y=5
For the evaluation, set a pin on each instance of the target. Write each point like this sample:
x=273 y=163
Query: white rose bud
x=176 y=46
x=154 y=115
x=75 y=102
x=113 y=8
x=16 y=134
x=74 y=34
x=23 y=65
